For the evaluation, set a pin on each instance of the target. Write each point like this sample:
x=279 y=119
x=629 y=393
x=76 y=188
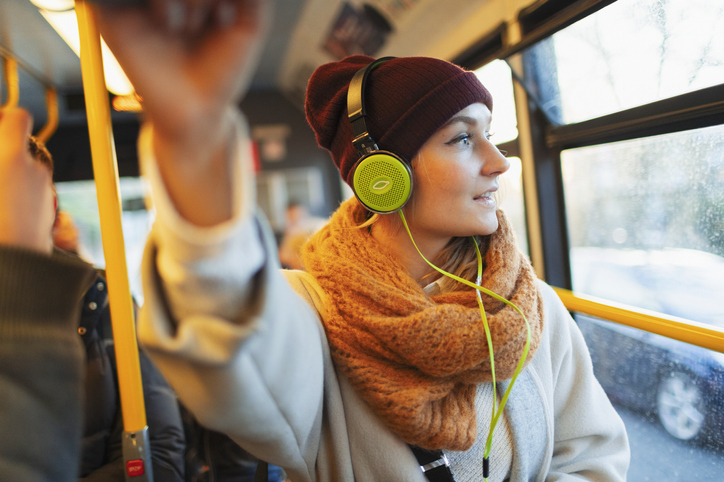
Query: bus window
x=643 y=212
x=79 y=199
x=636 y=52
x=645 y=222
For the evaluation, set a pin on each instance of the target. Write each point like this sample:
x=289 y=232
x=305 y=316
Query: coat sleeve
x=240 y=348
x=590 y=441
x=41 y=365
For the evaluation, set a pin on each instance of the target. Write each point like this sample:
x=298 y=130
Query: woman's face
x=456 y=174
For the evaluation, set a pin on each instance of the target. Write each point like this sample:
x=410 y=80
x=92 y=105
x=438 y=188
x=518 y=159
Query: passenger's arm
x=590 y=441
x=41 y=365
x=41 y=356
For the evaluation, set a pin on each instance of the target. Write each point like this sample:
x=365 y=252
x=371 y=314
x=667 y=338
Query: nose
x=494 y=162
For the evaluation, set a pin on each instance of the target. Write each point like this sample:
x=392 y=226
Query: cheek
x=443 y=188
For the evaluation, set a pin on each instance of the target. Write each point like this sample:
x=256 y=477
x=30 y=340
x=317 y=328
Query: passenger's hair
x=40 y=152
x=457 y=258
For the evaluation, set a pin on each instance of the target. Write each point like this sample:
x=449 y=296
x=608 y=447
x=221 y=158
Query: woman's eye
x=488 y=135
x=463 y=139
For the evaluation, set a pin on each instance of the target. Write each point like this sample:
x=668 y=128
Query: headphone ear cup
x=382 y=182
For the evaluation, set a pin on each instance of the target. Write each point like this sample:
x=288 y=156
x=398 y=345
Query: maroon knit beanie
x=407 y=100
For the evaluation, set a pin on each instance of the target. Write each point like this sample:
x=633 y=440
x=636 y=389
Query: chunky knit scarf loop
x=417 y=359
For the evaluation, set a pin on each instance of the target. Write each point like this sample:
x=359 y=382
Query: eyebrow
x=471 y=121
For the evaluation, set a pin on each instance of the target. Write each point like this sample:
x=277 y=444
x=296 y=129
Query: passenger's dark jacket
x=102 y=457
x=213 y=457
x=41 y=365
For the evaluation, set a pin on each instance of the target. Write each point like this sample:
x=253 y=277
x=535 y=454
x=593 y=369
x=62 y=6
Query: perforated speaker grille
x=382 y=182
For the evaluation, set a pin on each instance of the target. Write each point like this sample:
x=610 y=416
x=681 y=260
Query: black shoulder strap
x=434 y=464
x=262 y=472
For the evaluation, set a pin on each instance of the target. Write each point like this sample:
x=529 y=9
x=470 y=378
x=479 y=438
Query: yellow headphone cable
x=497 y=410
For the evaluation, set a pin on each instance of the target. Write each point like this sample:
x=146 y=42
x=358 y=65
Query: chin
x=488 y=226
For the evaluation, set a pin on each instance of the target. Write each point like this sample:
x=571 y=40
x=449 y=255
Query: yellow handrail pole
x=11 y=79
x=105 y=170
x=695 y=333
x=51 y=100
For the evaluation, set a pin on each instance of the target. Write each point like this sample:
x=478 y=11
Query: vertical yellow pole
x=11 y=79
x=51 y=100
x=135 y=444
x=109 y=205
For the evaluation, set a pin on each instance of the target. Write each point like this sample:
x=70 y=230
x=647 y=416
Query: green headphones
x=381 y=180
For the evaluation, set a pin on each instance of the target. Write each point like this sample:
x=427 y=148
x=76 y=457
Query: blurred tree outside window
x=634 y=52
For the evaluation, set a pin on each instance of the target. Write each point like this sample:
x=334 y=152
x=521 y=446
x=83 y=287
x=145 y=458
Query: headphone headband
x=381 y=180
x=356 y=110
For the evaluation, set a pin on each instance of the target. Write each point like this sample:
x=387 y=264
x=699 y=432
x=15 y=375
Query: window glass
x=510 y=200
x=669 y=394
x=630 y=53
x=79 y=199
x=496 y=77
x=646 y=222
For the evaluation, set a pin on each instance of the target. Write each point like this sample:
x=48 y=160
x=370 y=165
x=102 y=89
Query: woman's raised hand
x=190 y=60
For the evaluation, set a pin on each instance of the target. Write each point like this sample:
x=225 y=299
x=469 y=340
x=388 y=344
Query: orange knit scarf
x=417 y=359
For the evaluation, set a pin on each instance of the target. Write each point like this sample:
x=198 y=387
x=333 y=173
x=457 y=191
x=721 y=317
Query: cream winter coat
x=250 y=358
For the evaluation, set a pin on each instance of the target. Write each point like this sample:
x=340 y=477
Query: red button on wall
x=134 y=468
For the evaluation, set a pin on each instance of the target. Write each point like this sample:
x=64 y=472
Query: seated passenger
x=66 y=235
x=371 y=364
x=101 y=457
x=300 y=226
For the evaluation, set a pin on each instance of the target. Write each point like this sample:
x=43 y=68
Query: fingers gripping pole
x=136 y=450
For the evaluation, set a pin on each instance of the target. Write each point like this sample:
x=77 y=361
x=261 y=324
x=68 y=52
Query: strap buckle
x=443 y=460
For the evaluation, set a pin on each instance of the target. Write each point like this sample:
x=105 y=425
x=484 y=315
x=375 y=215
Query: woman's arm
x=240 y=348
x=257 y=376
x=190 y=60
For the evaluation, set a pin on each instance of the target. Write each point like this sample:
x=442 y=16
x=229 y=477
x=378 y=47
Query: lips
x=487 y=199
x=487 y=194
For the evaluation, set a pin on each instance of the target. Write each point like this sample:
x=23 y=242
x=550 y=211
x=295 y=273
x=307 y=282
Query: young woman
x=334 y=373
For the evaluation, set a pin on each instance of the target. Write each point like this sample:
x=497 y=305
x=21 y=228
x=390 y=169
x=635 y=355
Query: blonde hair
x=458 y=257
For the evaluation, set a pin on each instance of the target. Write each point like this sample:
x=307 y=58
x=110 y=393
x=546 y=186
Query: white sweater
x=245 y=350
